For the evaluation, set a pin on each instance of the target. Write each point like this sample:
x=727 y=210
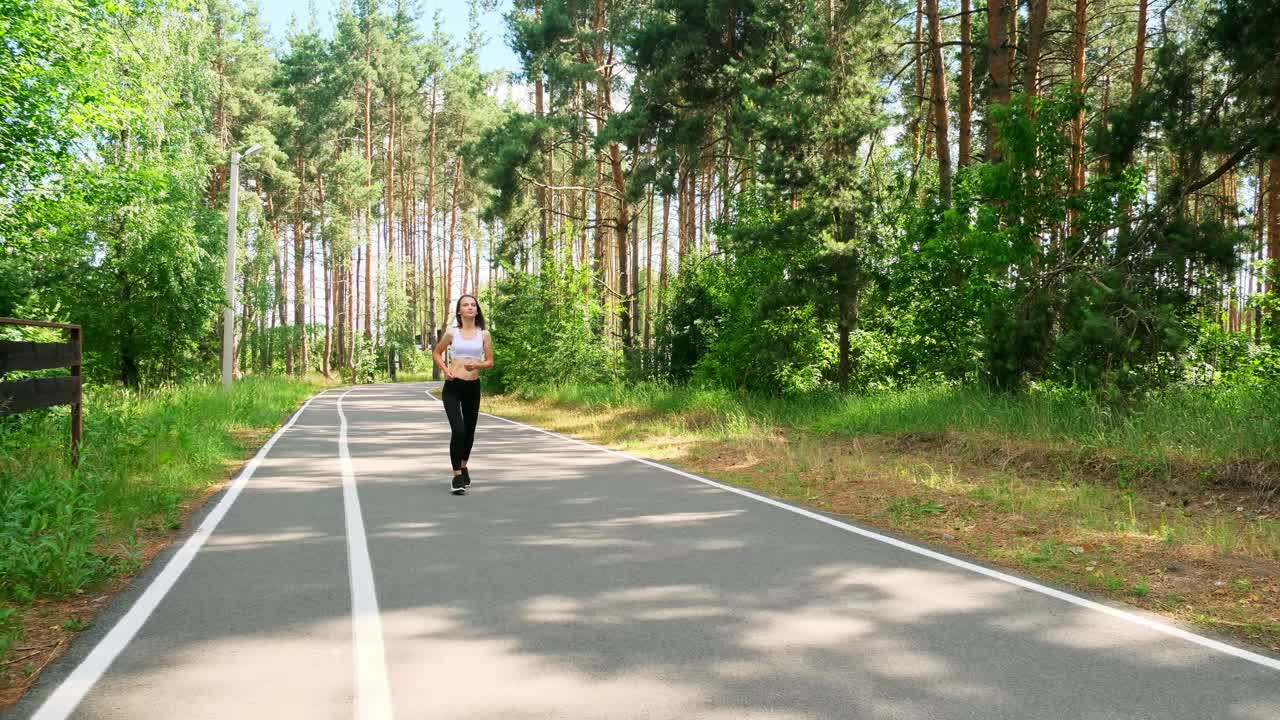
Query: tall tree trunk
x=391 y=178
x=966 y=82
x=846 y=325
x=544 y=204
x=1140 y=48
x=221 y=135
x=408 y=235
x=328 y=275
x=941 y=116
x=648 y=274
x=299 y=256
x=311 y=289
x=682 y=216
x=1273 y=244
x=368 y=227
x=583 y=199
x=339 y=304
x=1039 y=12
x=453 y=237
x=708 y=183
x=246 y=321
x=282 y=312
x=466 y=258
x=442 y=252
x=997 y=69
x=662 y=262
x=917 y=91
x=431 y=213
x=1077 y=124
x=265 y=325
x=357 y=321
x=130 y=374
x=626 y=300
x=1012 y=40
x=597 y=235
x=597 y=50
x=352 y=289
x=633 y=286
x=1256 y=276
x=694 y=230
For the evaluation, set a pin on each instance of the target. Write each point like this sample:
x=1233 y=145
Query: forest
x=769 y=196
x=1048 y=223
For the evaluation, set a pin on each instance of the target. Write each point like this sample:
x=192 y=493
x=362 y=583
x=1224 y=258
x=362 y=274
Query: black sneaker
x=458 y=483
x=466 y=478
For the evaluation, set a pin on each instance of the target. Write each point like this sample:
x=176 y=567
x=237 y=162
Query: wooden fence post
x=20 y=395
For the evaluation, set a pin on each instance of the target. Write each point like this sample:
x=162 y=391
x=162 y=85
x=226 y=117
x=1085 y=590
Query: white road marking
x=1146 y=622
x=373 y=691
x=68 y=695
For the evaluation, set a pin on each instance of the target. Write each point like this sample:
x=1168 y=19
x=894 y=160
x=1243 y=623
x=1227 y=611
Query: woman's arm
x=438 y=355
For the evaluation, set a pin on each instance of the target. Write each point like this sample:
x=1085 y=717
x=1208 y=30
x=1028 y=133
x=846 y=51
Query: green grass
x=1048 y=554
x=1094 y=449
x=910 y=508
x=8 y=629
x=1209 y=426
x=144 y=454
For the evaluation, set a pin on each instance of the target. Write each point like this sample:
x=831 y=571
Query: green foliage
x=908 y=509
x=47 y=538
x=144 y=454
x=125 y=244
x=398 y=331
x=367 y=361
x=716 y=330
x=544 y=329
x=685 y=330
x=151 y=301
x=1218 y=357
x=1031 y=283
x=9 y=629
x=53 y=87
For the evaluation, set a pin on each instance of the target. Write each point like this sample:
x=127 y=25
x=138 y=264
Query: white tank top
x=464 y=348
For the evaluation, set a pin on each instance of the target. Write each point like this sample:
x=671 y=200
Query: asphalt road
x=343 y=580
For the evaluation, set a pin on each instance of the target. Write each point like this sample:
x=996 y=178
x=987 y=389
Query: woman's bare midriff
x=460 y=372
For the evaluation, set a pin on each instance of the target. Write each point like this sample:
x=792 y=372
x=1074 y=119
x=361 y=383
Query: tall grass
x=1207 y=425
x=143 y=455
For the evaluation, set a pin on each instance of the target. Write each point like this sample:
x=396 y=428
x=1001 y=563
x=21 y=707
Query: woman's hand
x=448 y=373
x=471 y=366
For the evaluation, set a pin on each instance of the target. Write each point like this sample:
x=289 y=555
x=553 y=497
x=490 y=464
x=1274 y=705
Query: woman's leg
x=470 y=401
x=453 y=410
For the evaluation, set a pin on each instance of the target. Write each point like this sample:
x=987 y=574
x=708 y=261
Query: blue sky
x=494 y=56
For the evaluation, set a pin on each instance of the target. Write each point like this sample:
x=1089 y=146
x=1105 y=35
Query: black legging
x=462 y=405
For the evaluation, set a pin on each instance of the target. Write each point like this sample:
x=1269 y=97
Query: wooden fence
x=20 y=395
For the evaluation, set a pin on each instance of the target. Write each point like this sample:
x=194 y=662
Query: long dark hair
x=457 y=311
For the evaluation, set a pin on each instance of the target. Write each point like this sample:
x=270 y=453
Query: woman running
x=472 y=351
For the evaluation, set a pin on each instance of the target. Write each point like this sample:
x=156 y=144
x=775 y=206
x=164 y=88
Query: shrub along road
x=338 y=577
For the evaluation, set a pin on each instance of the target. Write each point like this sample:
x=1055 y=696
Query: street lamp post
x=229 y=312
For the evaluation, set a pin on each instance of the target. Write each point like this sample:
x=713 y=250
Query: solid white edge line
x=1146 y=622
x=72 y=690
x=373 y=691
